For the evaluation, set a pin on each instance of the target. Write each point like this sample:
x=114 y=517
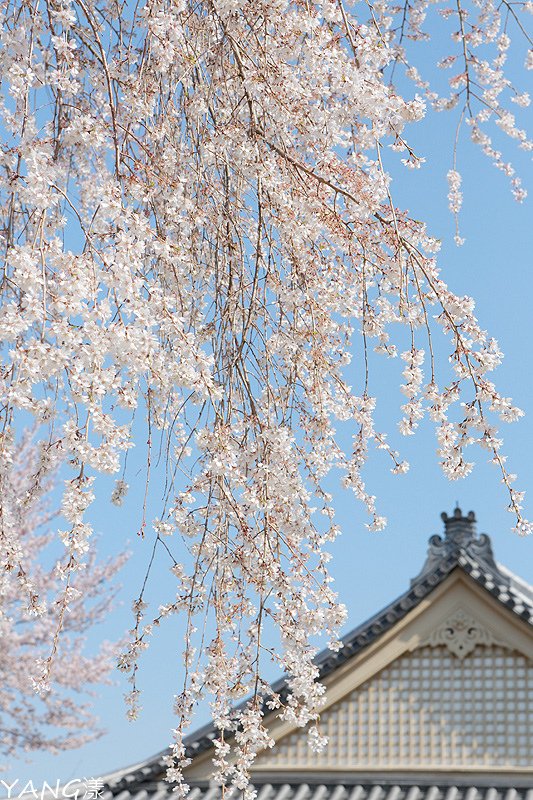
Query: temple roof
x=459 y=548
x=380 y=790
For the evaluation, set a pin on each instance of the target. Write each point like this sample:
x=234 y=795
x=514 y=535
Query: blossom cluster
x=33 y=597
x=198 y=229
x=481 y=90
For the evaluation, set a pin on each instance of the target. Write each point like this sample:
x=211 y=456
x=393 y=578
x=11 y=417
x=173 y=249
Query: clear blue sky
x=495 y=266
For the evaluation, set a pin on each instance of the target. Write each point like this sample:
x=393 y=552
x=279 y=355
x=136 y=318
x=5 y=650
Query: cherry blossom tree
x=199 y=229
x=30 y=583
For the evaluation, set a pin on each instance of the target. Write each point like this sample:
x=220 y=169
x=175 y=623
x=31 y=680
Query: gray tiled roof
x=380 y=790
x=459 y=548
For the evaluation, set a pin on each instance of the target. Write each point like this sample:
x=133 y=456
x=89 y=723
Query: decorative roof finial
x=460 y=538
x=459 y=530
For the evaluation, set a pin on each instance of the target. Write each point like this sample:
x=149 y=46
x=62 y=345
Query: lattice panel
x=428 y=708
